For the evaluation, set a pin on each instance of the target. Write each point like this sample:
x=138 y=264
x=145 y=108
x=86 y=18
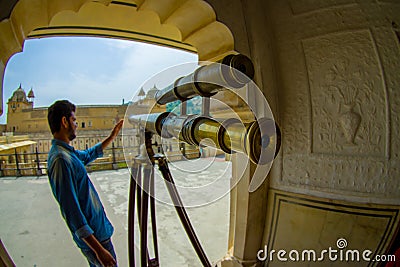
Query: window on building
x=90 y=124
x=83 y=125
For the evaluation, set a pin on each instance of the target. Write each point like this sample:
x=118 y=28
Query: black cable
x=174 y=194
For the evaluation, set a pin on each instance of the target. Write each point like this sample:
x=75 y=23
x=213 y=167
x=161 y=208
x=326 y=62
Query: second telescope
x=233 y=71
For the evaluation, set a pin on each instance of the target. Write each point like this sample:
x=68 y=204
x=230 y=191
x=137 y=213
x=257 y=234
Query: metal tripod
x=139 y=189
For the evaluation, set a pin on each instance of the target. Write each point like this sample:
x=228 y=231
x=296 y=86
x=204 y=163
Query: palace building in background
x=24 y=118
x=27 y=131
x=94 y=121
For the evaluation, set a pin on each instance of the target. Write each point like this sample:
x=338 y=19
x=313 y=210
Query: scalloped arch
x=184 y=24
x=190 y=25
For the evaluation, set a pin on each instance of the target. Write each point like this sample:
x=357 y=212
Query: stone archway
x=190 y=25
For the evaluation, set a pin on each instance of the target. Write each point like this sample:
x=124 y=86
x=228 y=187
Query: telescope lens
x=265 y=141
x=241 y=69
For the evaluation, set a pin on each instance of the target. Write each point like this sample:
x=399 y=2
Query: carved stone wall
x=348 y=96
x=339 y=98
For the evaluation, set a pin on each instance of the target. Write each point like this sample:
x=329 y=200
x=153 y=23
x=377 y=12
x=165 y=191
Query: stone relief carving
x=344 y=89
x=347 y=95
x=340 y=79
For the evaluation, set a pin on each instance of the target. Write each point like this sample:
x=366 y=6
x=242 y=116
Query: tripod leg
x=131 y=215
x=154 y=262
x=139 y=192
x=144 y=216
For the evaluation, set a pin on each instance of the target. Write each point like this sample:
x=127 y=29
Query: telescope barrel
x=233 y=71
x=151 y=122
x=258 y=139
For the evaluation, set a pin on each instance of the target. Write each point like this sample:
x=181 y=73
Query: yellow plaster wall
x=35 y=120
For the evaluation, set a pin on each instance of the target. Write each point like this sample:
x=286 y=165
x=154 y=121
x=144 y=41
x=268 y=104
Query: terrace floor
x=35 y=234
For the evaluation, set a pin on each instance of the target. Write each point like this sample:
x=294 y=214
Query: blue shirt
x=79 y=202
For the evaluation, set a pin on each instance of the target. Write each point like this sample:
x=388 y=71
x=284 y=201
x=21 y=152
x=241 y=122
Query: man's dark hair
x=59 y=109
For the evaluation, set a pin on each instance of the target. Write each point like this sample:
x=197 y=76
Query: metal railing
x=20 y=164
x=35 y=163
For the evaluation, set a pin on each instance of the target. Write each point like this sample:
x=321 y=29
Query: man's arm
x=92 y=153
x=62 y=185
x=112 y=135
x=103 y=255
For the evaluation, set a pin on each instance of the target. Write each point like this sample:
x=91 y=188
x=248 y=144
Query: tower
x=16 y=104
x=31 y=96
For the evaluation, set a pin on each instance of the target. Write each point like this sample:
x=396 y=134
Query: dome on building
x=152 y=92
x=19 y=95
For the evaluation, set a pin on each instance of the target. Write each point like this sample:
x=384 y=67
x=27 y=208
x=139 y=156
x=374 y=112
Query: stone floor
x=34 y=233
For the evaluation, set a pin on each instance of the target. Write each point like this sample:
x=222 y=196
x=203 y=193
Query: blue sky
x=86 y=70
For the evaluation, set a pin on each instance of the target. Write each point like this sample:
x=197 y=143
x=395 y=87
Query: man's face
x=72 y=125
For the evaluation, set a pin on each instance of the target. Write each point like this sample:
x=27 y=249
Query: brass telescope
x=259 y=140
x=233 y=71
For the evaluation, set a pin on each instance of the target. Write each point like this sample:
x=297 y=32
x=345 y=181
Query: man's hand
x=103 y=255
x=113 y=134
x=116 y=129
x=105 y=258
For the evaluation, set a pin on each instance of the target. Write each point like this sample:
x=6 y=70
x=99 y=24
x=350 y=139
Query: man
x=79 y=202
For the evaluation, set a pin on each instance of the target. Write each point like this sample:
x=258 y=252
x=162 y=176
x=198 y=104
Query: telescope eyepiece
x=240 y=71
